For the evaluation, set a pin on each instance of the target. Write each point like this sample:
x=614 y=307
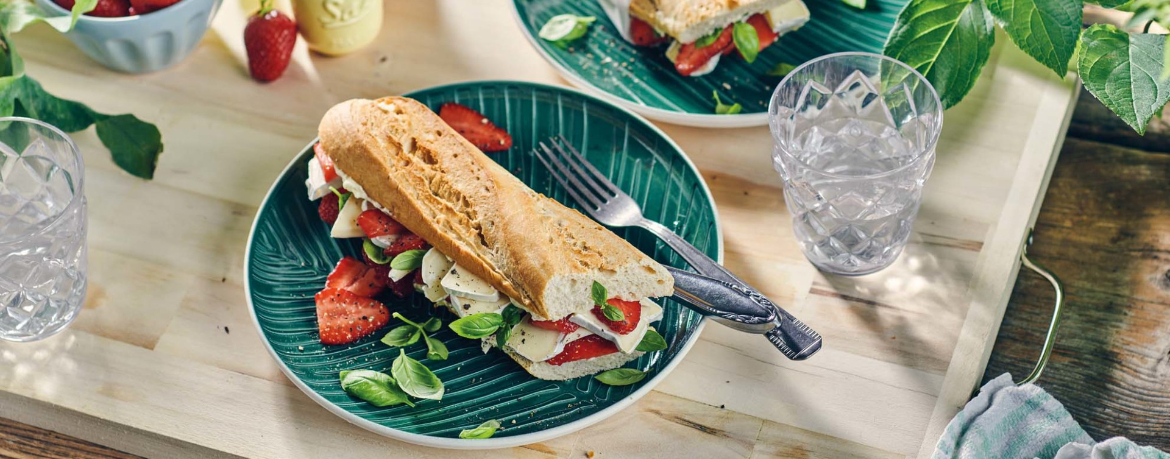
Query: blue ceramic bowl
x=142 y=43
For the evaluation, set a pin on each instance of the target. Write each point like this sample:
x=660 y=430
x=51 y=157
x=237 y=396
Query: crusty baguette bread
x=531 y=248
x=689 y=20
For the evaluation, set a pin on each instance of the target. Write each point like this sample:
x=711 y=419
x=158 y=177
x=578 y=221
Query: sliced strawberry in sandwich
x=403 y=288
x=631 y=310
x=585 y=348
x=475 y=127
x=691 y=58
x=354 y=276
x=763 y=30
x=643 y=34
x=329 y=207
x=563 y=325
x=408 y=241
x=325 y=161
x=376 y=223
x=343 y=317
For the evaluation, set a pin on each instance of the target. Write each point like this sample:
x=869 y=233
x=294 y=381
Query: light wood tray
x=164 y=361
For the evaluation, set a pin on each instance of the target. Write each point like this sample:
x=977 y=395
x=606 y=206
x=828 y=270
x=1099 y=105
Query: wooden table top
x=164 y=358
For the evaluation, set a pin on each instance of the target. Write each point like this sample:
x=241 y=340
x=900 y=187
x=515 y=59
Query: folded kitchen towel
x=1008 y=421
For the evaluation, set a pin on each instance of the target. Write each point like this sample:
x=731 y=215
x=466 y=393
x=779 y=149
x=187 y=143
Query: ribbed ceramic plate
x=643 y=80
x=290 y=253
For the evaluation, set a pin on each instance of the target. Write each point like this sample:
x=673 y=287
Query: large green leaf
x=1109 y=3
x=948 y=41
x=134 y=144
x=15 y=15
x=1123 y=71
x=1045 y=29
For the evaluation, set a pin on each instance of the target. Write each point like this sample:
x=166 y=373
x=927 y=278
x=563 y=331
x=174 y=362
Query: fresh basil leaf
x=620 y=376
x=612 y=313
x=432 y=325
x=485 y=430
x=408 y=260
x=477 y=326
x=415 y=378
x=375 y=387
x=411 y=322
x=653 y=341
x=512 y=315
x=723 y=109
x=1122 y=70
x=707 y=40
x=747 y=41
x=859 y=4
x=1045 y=29
x=503 y=335
x=599 y=293
x=342 y=198
x=947 y=41
x=782 y=69
x=374 y=253
x=402 y=336
x=436 y=350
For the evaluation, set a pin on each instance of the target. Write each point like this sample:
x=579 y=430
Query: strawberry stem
x=265 y=7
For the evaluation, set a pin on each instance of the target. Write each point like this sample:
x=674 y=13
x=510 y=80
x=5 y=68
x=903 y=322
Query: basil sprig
x=402 y=336
x=485 y=430
x=436 y=350
x=416 y=379
x=724 y=109
x=375 y=387
x=408 y=334
x=781 y=70
x=706 y=40
x=651 y=342
x=477 y=326
x=600 y=296
x=511 y=316
x=565 y=28
x=620 y=376
x=747 y=40
x=408 y=260
x=374 y=253
x=341 y=197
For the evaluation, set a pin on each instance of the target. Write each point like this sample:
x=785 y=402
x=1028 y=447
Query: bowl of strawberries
x=138 y=36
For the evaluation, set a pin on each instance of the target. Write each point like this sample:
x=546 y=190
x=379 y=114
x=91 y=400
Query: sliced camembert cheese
x=434 y=266
x=788 y=17
x=460 y=282
x=434 y=292
x=346 y=225
x=532 y=342
x=466 y=306
x=397 y=274
x=316 y=183
x=627 y=342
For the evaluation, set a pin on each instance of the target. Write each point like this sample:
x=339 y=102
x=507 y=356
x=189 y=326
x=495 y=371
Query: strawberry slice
x=376 y=223
x=326 y=162
x=763 y=30
x=329 y=208
x=475 y=127
x=643 y=34
x=631 y=309
x=408 y=241
x=403 y=288
x=343 y=317
x=585 y=348
x=563 y=325
x=691 y=58
x=353 y=275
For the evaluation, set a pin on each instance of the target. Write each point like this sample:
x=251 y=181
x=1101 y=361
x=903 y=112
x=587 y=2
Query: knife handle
x=739 y=308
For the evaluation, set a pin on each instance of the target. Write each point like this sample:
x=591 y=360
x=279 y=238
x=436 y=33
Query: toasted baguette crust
x=441 y=187
x=689 y=20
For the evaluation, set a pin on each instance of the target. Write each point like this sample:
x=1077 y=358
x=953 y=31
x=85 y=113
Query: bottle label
x=340 y=13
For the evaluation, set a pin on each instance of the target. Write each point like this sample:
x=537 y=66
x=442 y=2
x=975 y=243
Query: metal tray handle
x=1050 y=339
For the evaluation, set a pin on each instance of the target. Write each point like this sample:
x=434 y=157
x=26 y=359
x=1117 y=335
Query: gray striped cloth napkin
x=1006 y=421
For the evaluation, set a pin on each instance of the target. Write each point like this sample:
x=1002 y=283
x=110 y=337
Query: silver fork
x=611 y=206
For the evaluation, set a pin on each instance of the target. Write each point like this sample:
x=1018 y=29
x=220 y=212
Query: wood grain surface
x=1104 y=229
x=166 y=309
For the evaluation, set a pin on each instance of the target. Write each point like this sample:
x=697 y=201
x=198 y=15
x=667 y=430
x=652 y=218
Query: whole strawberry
x=269 y=38
x=103 y=8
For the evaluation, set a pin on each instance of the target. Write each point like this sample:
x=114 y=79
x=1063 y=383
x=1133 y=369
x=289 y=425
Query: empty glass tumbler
x=854 y=137
x=42 y=230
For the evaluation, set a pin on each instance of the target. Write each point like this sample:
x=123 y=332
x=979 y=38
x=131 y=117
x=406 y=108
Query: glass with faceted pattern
x=42 y=230
x=854 y=138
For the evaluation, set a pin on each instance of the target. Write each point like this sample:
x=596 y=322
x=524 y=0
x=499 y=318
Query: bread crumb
x=589 y=454
x=727 y=86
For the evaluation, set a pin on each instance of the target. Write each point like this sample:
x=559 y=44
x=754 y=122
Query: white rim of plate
x=490 y=443
x=657 y=114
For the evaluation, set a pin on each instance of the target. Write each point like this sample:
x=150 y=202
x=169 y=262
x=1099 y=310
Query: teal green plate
x=643 y=80
x=290 y=253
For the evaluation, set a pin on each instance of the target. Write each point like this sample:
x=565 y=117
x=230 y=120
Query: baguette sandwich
x=700 y=32
x=494 y=243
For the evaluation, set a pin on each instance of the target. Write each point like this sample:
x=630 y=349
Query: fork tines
x=583 y=181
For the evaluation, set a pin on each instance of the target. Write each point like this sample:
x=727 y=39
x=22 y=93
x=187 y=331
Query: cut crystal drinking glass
x=854 y=137
x=42 y=230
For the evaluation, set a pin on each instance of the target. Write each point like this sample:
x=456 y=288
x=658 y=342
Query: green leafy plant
x=134 y=144
x=949 y=42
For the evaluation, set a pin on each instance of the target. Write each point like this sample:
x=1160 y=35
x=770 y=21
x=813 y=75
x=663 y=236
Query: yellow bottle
x=337 y=27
